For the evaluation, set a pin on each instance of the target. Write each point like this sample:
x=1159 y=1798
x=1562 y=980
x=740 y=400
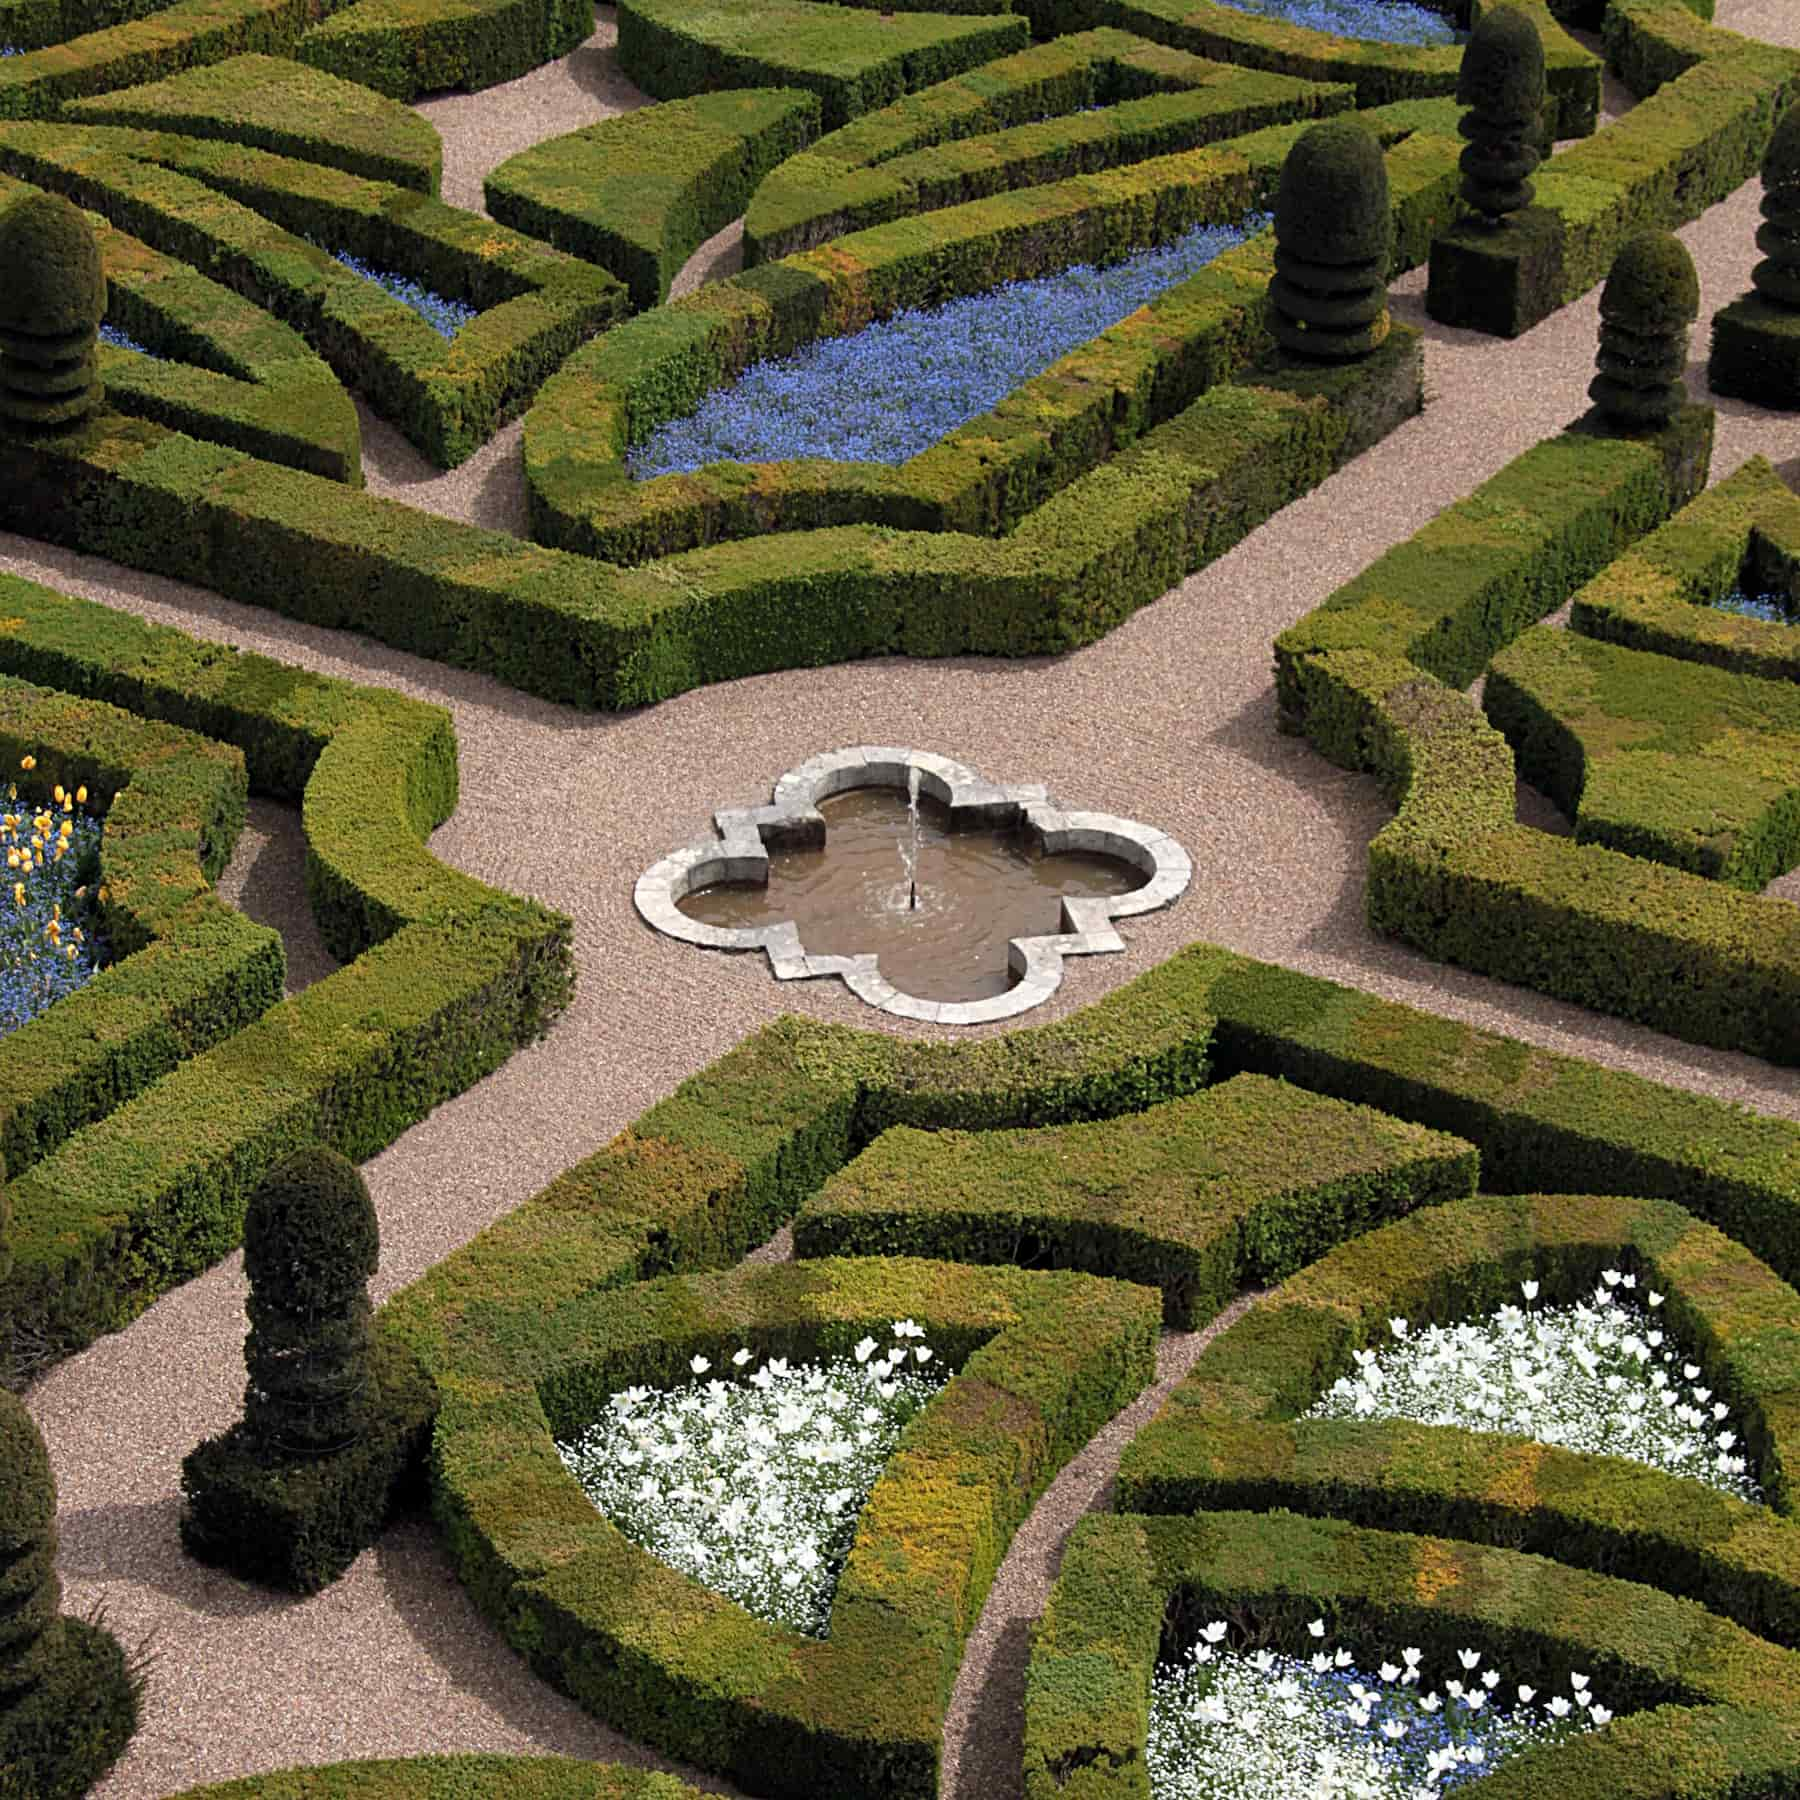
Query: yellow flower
x=81 y=796
x=70 y=953
x=12 y=859
x=19 y=892
x=27 y=762
x=57 y=791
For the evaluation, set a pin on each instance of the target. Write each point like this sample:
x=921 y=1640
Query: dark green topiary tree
x=311 y=1243
x=1502 y=84
x=68 y=1701
x=1651 y=298
x=1777 y=276
x=51 y=306
x=1334 y=240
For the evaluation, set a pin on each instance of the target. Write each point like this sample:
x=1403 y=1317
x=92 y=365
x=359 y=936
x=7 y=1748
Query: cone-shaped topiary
x=1649 y=301
x=1334 y=239
x=50 y=312
x=1777 y=277
x=310 y=1245
x=68 y=1700
x=1502 y=83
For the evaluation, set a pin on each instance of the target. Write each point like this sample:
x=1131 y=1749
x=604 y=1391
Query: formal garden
x=899 y=903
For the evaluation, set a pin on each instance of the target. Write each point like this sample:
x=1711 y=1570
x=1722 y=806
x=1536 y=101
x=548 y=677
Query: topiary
x=1650 y=299
x=1334 y=239
x=1501 y=81
x=311 y=1242
x=68 y=1700
x=50 y=313
x=1777 y=277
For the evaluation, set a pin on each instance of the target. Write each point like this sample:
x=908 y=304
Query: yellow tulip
x=57 y=791
x=81 y=796
x=19 y=892
x=27 y=762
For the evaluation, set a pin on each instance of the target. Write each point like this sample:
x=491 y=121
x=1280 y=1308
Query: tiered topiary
x=334 y=1425
x=1502 y=83
x=68 y=1700
x=1650 y=299
x=50 y=312
x=1756 y=339
x=1334 y=239
x=311 y=1243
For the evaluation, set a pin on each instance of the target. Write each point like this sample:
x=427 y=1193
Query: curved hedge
x=447 y=397
x=1042 y=1360
x=1198 y=1196
x=640 y=193
x=1231 y=1436
x=447 y=976
x=1705 y=1708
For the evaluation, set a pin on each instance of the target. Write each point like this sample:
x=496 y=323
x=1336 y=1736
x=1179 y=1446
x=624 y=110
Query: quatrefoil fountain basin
x=931 y=893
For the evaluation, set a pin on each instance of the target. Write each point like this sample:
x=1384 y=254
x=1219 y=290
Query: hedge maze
x=1054 y=1205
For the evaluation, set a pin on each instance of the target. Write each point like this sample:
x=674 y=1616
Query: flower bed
x=51 y=862
x=1380 y=21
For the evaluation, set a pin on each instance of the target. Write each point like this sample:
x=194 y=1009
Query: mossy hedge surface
x=640 y=193
x=447 y=398
x=1231 y=1435
x=1744 y=530
x=472 y=1777
x=1198 y=1196
x=444 y=976
x=274 y=103
x=1692 y=766
x=1042 y=1360
x=1706 y=1709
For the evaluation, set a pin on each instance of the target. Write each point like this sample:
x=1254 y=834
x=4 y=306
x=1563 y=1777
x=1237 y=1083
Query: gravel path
x=570 y=807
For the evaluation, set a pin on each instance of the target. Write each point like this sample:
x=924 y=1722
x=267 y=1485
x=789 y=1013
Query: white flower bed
x=1597 y=1376
x=1238 y=1725
x=753 y=1485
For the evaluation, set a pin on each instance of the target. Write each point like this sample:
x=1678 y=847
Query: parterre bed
x=1085 y=499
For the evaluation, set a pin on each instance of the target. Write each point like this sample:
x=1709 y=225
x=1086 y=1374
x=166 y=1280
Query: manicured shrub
x=54 y=300
x=68 y=1702
x=1777 y=277
x=1502 y=84
x=1650 y=299
x=1334 y=237
x=310 y=1245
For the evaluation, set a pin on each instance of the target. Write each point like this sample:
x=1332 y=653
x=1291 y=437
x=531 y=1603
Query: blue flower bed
x=1386 y=21
x=1776 y=609
x=111 y=334
x=47 y=944
x=888 y=392
x=445 y=317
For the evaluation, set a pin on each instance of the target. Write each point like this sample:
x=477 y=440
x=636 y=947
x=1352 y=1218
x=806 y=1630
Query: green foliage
x=55 y=284
x=468 y=1777
x=1199 y=1196
x=30 y=1593
x=59 y=1738
x=1331 y=206
x=1650 y=299
x=1502 y=83
x=1653 y=287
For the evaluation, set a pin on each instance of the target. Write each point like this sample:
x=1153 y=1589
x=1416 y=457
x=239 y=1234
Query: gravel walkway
x=570 y=807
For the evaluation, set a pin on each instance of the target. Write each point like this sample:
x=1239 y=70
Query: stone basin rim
x=792 y=819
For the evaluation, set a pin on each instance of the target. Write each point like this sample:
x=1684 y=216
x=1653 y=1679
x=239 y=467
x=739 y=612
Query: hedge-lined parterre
x=1198 y=1196
x=1233 y=1433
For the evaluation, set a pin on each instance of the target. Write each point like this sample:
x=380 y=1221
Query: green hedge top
x=475 y=1777
x=1744 y=530
x=275 y=103
x=1717 y=1703
x=1043 y=1360
x=1198 y=1196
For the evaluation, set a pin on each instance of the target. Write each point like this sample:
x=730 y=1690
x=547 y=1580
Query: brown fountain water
x=939 y=918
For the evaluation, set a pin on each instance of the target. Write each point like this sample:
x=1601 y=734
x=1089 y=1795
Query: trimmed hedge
x=298 y=1523
x=1453 y=874
x=261 y=388
x=989 y=473
x=1691 y=766
x=1043 y=1361
x=448 y=398
x=1198 y=1196
x=1743 y=530
x=639 y=194
x=595 y=635
x=405 y=48
x=448 y=977
x=1705 y=1708
x=274 y=103
x=467 y=1777
x=1019 y=122
x=853 y=59
x=1230 y=1435
x=1700 y=135
x=60 y=1738
x=188 y=971
x=1380 y=72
